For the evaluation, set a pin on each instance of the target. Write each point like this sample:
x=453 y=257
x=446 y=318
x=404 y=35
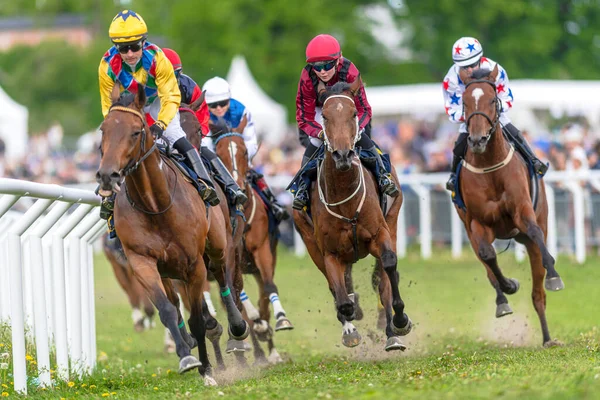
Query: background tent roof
x=269 y=116
x=13 y=126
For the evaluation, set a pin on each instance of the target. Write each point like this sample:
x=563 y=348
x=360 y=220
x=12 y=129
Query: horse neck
x=338 y=185
x=148 y=186
x=496 y=151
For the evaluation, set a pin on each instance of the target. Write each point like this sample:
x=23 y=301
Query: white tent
x=13 y=126
x=269 y=116
x=559 y=97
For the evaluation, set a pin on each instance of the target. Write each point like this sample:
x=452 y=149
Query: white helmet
x=217 y=89
x=466 y=51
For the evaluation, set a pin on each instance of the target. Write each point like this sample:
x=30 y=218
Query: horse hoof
x=209 y=381
x=243 y=335
x=394 y=343
x=514 y=286
x=188 y=363
x=215 y=333
x=235 y=346
x=553 y=343
x=351 y=339
x=139 y=326
x=283 y=324
x=274 y=357
x=266 y=335
x=554 y=284
x=502 y=310
x=260 y=326
x=402 y=331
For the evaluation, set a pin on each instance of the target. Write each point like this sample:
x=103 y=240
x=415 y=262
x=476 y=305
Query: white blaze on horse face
x=340 y=107
x=477 y=93
x=233 y=152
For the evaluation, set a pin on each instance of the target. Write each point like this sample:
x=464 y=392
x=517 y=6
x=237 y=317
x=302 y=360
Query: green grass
x=457 y=349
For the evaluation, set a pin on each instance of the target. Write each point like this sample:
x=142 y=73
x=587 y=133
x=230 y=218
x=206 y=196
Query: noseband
x=325 y=138
x=133 y=165
x=494 y=123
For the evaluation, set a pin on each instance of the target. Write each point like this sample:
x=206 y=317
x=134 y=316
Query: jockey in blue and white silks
x=467 y=54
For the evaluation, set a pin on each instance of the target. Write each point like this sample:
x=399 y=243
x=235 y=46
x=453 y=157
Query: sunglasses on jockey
x=222 y=103
x=134 y=47
x=324 y=65
x=474 y=65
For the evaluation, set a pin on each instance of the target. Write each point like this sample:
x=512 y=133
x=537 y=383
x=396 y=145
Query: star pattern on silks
x=447 y=109
x=483 y=59
x=500 y=88
x=510 y=94
x=471 y=47
x=457 y=50
x=509 y=104
x=502 y=75
x=454 y=99
x=446 y=84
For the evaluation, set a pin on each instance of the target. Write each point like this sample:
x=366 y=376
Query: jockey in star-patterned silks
x=467 y=54
x=226 y=113
x=133 y=63
x=190 y=92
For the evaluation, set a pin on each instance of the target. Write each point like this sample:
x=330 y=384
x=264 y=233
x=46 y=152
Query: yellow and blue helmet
x=127 y=26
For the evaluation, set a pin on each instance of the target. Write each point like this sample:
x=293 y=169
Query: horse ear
x=356 y=85
x=494 y=73
x=140 y=97
x=198 y=103
x=240 y=128
x=464 y=75
x=116 y=92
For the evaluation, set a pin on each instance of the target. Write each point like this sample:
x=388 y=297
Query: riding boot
x=522 y=145
x=207 y=190
x=460 y=147
x=386 y=181
x=235 y=193
x=301 y=198
x=278 y=210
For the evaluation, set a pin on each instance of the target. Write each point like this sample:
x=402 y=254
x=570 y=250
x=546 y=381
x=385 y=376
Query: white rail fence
x=46 y=276
x=427 y=205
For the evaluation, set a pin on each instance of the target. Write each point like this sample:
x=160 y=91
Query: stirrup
x=451 y=184
x=110 y=222
x=388 y=186
x=238 y=197
x=300 y=201
x=540 y=167
x=279 y=212
x=209 y=195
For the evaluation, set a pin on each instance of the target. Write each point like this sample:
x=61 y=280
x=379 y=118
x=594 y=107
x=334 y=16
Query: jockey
x=133 y=61
x=190 y=92
x=227 y=113
x=326 y=65
x=467 y=54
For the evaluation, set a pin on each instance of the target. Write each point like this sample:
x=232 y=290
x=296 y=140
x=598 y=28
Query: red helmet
x=323 y=48
x=174 y=58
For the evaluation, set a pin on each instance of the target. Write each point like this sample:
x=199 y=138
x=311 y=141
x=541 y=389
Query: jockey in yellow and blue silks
x=133 y=62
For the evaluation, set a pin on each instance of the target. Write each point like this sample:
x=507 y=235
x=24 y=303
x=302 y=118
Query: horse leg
x=502 y=307
x=263 y=258
x=399 y=325
x=174 y=299
x=196 y=320
x=358 y=312
x=481 y=238
x=394 y=342
x=538 y=294
x=147 y=273
x=266 y=333
x=527 y=224
x=214 y=330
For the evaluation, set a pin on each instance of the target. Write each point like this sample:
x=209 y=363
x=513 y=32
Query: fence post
x=424 y=220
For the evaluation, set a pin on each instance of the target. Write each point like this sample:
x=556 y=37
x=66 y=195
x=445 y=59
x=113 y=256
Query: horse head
x=231 y=149
x=340 y=123
x=124 y=140
x=481 y=107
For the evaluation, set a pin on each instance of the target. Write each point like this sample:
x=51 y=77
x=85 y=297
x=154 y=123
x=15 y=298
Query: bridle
x=358 y=133
x=494 y=123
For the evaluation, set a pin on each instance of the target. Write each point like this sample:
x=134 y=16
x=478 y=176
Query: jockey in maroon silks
x=326 y=67
x=190 y=92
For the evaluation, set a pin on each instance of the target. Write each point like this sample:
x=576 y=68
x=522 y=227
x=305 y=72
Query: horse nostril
x=336 y=155
x=351 y=154
x=115 y=176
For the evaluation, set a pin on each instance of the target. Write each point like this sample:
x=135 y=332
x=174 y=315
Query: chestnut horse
x=347 y=222
x=152 y=218
x=496 y=190
x=258 y=247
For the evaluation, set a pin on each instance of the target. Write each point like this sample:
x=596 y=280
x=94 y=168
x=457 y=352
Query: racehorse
x=258 y=247
x=152 y=217
x=495 y=187
x=347 y=222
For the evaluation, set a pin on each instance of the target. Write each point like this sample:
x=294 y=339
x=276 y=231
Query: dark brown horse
x=164 y=226
x=347 y=222
x=495 y=187
x=258 y=247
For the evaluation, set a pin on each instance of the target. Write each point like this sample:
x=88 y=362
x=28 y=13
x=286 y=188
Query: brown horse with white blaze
x=164 y=227
x=495 y=187
x=347 y=222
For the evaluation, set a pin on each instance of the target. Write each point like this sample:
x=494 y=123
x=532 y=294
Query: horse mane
x=480 y=73
x=338 y=88
x=125 y=99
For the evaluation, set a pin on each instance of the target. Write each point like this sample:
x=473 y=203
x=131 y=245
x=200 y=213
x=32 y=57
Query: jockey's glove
x=157 y=129
x=321 y=135
x=219 y=127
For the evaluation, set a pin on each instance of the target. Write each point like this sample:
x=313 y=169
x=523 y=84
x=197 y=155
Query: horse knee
x=486 y=252
x=389 y=260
